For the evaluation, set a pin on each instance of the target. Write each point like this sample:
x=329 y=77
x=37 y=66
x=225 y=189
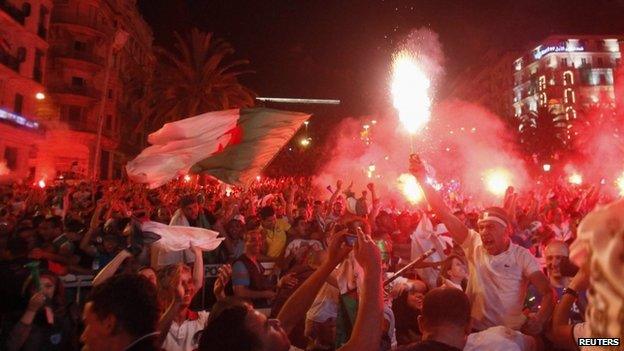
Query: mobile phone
x=350 y=239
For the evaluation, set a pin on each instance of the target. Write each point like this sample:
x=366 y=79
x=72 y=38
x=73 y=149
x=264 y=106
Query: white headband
x=490 y=217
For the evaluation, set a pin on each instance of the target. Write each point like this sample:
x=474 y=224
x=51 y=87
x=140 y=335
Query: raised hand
x=417 y=167
x=367 y=253
x=337 y=248
x=37 y=301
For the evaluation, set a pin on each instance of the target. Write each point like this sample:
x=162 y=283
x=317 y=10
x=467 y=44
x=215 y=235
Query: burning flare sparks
x=620 y=184
x=575 y=178
x=497 y=181
x=410 y=92
x=410 y=188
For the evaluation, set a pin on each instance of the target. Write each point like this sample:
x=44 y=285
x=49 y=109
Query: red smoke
x=461 y=142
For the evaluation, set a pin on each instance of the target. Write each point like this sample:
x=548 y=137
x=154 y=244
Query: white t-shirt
x=181 y=337
x=302 y=247
x=497 y=284
x=325 y=304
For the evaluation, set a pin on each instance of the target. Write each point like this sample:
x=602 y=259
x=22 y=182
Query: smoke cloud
x=461 y=142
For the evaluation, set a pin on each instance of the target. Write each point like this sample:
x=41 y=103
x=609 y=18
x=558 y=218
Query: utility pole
x=119 y=40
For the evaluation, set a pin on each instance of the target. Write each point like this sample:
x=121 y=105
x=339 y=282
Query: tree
x=544 y=132
x=195 y=78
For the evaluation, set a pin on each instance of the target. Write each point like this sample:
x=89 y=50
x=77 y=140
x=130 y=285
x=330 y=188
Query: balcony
x=71 y=18
x=13 y=62
x=19 y=15
x=75 y=90
x=85 y=127
x=78 y=55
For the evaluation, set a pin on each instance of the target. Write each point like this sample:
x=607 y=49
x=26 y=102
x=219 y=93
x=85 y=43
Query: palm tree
x=543 y=133
x=194 y=79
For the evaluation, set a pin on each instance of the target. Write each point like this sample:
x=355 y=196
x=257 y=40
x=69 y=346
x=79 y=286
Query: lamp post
x=117 y=44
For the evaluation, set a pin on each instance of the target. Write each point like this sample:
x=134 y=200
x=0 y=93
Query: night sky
x=341 y=49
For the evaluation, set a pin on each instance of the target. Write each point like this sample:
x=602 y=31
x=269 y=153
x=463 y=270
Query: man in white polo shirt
x=500 y=271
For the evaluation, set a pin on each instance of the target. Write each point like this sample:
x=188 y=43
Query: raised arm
x=299 y=302
x=112 y=267
x=198 y=268
x=366 y=333
x=456 y=228
x=22 y=329
x=561 y=332
x=335 y=194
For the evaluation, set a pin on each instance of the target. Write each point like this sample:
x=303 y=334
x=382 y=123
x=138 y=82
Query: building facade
x=565 y=75
x=55 y=56
x=23 y=47
x=91 y=71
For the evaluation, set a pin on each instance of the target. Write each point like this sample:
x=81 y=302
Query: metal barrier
x=211 y=271
x=77 y=282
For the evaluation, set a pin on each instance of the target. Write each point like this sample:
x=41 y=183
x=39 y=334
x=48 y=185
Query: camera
x=350 y=239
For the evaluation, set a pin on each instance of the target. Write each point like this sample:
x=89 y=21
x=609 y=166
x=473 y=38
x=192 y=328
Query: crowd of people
x=301 y=270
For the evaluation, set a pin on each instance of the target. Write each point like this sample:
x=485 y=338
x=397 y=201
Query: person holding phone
x=46 y=323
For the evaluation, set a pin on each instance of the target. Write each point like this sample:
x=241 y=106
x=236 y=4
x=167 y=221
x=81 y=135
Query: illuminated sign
x=17 y=119
x=541 y=51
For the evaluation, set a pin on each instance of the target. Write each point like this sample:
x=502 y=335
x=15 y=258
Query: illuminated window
x=568 y=78
x=570 y=114
x=542 y=99
x=532 y=105
x=542 y=83
x=569 y=96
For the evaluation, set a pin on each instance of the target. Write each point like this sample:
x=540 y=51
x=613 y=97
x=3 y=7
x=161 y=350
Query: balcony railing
x=73 y=18
x=10 y=61
x=17 y=14
x=74 y=90
x=78 y=55
x=91 y=128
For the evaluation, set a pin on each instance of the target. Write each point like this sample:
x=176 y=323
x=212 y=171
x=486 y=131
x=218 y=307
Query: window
x=109 y=122
x=603 y=79
x=80 y=45
x=10 y=156
x=78 y=81
x=568 y=78
x=583 y=61
x=37 y=71
x=542 y=99
x=18 y=104
x=569 y=96
x=564 y=62
x=110 y=94
x=74 y=114
x=570 y=114
x=600 y=61
x=542 y=83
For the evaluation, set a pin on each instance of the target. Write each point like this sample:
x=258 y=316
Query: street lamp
x=546 y=167
x=40 y=96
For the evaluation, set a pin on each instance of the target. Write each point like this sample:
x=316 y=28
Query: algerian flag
x=232 y=145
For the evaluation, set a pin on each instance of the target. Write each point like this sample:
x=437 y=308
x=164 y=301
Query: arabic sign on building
x=544 y=50
x=17 y=119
